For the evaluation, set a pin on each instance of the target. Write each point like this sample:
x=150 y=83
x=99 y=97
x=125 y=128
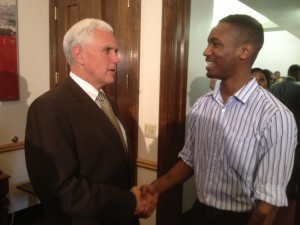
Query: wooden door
x=173 y=84
x=124 y=17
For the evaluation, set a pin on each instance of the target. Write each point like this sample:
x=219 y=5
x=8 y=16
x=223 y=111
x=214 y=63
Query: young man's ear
x=246 y=51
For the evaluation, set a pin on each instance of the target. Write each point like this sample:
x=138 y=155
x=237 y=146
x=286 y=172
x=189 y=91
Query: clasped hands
x=146 y=200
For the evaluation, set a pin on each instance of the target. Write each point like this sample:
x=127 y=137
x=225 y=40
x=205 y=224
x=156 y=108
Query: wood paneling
x=125 y=91
x=173 y=83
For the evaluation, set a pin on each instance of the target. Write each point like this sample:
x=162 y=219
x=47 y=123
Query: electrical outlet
x=150 y=131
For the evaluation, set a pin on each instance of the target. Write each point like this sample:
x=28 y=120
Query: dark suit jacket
x=288 y=92
x=76 y=161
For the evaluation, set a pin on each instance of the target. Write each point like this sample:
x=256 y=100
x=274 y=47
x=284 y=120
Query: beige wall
x=149 y=88
x=33 y=41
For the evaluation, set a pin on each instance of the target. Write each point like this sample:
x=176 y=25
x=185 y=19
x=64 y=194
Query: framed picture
x=9 y=78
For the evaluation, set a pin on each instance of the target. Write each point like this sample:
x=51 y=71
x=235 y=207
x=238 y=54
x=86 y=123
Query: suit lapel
x=91 y=110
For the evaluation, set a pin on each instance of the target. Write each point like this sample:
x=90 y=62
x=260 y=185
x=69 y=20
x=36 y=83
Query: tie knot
x=101 y=96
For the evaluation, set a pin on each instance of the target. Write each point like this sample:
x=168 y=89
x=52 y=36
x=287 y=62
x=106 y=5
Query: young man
x=241 y=139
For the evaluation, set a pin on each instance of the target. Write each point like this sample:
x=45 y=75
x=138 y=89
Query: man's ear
x=78 y=54
x=246 y=51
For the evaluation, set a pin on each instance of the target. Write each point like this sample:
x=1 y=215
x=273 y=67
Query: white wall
x=33 y=41
x=281 y=49
x=149 y=88
x=149 y=75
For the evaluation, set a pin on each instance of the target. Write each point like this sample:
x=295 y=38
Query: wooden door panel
x=90 y=9
x=128 y=68
x=173 y=84
x=107 y=7
x=68 y=12
x=125 y=90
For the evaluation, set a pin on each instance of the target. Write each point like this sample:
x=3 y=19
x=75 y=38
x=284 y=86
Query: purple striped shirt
x=241 y=151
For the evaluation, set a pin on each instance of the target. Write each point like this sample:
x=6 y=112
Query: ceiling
x=285 y=13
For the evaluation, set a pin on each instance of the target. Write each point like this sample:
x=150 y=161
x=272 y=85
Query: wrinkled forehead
x=103 y=37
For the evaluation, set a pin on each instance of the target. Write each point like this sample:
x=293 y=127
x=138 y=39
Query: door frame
x=172 y=105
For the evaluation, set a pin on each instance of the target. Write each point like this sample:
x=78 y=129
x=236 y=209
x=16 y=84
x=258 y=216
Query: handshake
x=146 y=200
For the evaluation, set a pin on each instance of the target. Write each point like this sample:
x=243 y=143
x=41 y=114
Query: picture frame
x=9 y=77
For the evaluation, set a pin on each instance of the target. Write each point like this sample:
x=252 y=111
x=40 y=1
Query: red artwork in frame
x=9 y=78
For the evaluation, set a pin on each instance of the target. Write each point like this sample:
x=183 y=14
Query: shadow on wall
x=12 y=123
x=13 y=115
x=199 y=86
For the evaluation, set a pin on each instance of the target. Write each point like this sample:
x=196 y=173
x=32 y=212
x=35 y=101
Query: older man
x=77 y=151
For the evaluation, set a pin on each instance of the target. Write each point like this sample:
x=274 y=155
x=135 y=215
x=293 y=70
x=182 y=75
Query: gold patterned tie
x=104 y=104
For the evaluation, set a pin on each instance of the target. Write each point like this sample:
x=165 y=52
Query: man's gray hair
x=81 y=33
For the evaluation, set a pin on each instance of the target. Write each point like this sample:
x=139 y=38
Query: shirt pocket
x=241 y=154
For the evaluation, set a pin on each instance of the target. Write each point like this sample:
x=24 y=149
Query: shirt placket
x=212 y=179
x=215 y=163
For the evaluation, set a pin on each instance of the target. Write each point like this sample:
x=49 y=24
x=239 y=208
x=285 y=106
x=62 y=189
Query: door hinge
x=56 y=78
x=128 y=3
x=55 y=13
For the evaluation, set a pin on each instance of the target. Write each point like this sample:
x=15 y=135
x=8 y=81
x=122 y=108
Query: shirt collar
x=290 y=78
x=243 y=94
x=87 y=87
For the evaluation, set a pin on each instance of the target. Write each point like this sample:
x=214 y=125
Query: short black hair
x=293 y=70
x=249 y=30
x=267 y=73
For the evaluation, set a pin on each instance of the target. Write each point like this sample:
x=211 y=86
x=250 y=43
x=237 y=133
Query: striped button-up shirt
x=241 y=151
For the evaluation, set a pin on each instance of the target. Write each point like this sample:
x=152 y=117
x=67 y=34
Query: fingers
x=150 y=189
x=146 y=200
x=151 y=204
x=140 y=202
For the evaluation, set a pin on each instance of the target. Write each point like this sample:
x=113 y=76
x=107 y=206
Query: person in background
x=269 y=75
x=261 y=77
x=276 y=77
x=288 y=92
x=241 y=168
x=77 y=154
